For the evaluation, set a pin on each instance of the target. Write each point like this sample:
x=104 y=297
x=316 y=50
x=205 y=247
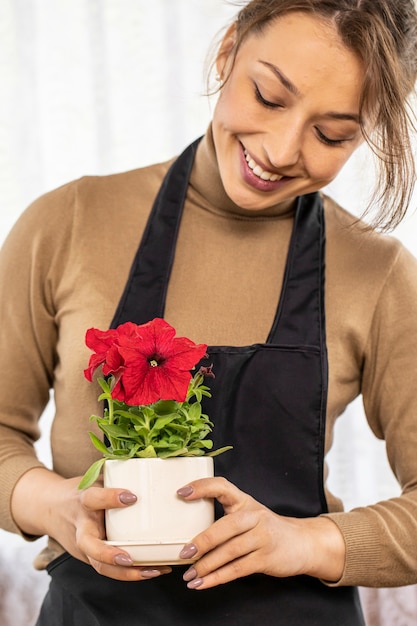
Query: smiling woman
x=287 y=119
x=385 y=48
x=323 y=312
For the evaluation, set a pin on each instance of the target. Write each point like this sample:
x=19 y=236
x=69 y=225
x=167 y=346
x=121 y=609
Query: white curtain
x=99 y=86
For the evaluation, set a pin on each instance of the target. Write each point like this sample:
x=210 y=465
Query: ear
x=225 y=51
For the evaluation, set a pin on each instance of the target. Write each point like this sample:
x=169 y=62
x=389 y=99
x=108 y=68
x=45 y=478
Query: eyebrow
x=282 y=78
x=293 y=89
x=343 y=116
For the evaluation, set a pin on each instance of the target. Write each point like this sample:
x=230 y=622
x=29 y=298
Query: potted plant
x=155 y=436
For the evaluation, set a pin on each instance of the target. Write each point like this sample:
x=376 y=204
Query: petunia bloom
x=157 y=364
x=148 y=362
x=105 y=345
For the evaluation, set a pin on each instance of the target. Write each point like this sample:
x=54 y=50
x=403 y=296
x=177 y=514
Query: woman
x=327 y=314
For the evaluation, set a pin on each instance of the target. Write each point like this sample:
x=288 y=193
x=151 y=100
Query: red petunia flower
x=105 y=345
x=147 y=362
x=156 y=364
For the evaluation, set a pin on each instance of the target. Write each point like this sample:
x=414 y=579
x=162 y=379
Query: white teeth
x=257 y=169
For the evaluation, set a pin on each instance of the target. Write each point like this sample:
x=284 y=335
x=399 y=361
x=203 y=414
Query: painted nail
x=188 y=551
x=123 y=559
x=127 y=498
x=190 y=574
x=150 y=573
x=185 y=491
x=194 y=584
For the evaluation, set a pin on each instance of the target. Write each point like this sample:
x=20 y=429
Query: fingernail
x=123 y=559
x=188 y=551
x=185 y=491
x=194 y=584
x=126 y=497
x=189 y=574
x=150 y=573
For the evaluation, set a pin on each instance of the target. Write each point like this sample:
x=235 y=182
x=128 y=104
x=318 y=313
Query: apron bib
x=269 y=402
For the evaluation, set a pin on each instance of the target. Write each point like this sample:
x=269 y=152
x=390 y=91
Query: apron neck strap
x=152 y=266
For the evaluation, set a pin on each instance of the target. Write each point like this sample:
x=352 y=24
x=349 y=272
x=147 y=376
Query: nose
x=284 y=146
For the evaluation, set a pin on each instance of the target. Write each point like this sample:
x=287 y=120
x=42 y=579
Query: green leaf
x=203 y=443
x=128 y=414
x=194 y=452
x=162 y=407
x=180 y=429
x=124 y=454
x=148 y=453
x=120 y=455
x=173 y=453
x=141 y=431
x=161 y=422
x=219 y=451
x=98 y=443
x=95 y=418
x=195 y=411
x=148 y=411
x=170 y=443
x=91 y=474
x=113 y=430
x=104 y=385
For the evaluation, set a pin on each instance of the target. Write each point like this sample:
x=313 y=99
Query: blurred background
x=101 y=86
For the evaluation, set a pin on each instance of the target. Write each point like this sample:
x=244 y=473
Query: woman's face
x=287 y=119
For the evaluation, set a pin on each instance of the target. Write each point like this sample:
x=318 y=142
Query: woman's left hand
x=250 y=539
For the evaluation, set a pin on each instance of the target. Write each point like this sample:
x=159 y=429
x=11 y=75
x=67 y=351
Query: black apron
x=269 y=402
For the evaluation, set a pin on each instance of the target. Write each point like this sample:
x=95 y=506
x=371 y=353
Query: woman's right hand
x=44 y=503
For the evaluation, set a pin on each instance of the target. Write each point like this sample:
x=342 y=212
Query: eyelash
x=267 y=103
x=327 y=141
x=274 y=105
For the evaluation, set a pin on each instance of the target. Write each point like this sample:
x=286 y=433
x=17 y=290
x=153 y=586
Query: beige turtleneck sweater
x=64 y=267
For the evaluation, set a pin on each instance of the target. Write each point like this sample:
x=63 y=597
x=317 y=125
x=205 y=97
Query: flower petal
x=174 y=356
x=148 y=361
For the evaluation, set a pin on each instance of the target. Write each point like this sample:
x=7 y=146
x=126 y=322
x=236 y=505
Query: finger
x=90 y=528
x=113 y=561
x=229 y=496
x=129 y=573
x=239 y=568
x=220 y=533
x=90 y=540
x=228 y=552
x=98 y=498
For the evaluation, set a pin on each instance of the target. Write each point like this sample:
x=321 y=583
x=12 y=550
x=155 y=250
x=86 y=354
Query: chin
x=251 y=201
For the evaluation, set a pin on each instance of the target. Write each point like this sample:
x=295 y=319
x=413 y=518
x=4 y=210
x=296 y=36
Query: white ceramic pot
x=155 y=529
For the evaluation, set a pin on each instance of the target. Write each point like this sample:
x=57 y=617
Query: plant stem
x=110 y=408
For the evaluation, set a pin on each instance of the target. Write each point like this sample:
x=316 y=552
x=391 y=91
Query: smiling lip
x=255 y=176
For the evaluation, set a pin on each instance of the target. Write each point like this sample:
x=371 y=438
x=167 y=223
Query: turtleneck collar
x=205 y=180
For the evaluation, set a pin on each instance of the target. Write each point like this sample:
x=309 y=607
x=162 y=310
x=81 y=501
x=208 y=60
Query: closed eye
x=275 y=105
x=263 y=101
x=329 y=142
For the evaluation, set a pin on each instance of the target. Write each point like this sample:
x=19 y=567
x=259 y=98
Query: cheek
x=226 y=113
x=325 y=163
x=235 y=109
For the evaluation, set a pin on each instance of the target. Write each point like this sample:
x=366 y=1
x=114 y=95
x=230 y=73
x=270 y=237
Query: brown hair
x=383 y=33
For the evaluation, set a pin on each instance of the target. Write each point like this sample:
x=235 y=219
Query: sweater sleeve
x=29 y=262
x=380 y=538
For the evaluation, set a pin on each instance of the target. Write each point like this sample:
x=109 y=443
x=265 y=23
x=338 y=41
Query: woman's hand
x=44 y=503
x=251 y=539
